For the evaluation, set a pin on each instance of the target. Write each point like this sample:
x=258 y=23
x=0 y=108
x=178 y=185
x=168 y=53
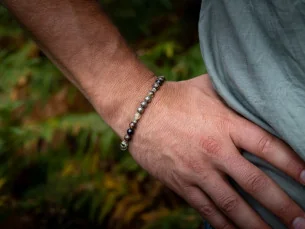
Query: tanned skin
x=187 y=138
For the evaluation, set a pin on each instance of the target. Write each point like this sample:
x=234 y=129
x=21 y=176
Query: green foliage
x=59 y=162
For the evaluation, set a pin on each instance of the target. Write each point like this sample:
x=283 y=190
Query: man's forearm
x=84 y=44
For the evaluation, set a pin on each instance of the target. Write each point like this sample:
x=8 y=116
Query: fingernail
x=302 y=176
x=299 y=223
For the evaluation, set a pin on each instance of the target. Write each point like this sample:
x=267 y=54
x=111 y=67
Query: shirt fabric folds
x=254 y=51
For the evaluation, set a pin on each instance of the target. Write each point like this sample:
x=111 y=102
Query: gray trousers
x=254 y=51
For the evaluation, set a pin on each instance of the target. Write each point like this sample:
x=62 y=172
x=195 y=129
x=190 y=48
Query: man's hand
x=189 y=140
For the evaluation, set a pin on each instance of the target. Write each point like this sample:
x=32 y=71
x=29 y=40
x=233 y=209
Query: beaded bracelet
x=143 y=105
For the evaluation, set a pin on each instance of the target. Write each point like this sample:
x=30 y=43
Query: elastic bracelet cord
x=143 y=105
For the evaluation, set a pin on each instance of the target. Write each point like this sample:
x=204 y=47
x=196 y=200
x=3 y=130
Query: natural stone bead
x=144 y=104
x=155 y=85
x=159 y=82
x=130 y=131
x=127 y=137
x=124 y=145
x=148 y=99
x=133 y=125
x=161 y=78
x=154 y=90
x=137 y=116
x=140 y=110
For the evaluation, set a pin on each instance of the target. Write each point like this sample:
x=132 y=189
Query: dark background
x=60 y=165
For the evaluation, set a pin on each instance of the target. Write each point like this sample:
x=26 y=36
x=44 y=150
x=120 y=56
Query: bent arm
x=79 y=38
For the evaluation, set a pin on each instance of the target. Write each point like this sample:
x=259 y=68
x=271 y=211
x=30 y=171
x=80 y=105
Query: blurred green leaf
x=57 y=153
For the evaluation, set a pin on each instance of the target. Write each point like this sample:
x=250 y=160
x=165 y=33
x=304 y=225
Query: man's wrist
x=117 y=100
x=90 y=51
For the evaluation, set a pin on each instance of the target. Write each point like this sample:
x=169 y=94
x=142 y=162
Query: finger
x=254 y=139
x=230 y=202
x=207 y=209
x=263 y=189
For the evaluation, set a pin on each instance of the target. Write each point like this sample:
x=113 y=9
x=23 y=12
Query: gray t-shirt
x=255 y=55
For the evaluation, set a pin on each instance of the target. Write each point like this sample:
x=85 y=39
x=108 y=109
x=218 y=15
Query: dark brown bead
x=130 y=131
x=133 y=125
x=144 y=104
x=127 y=137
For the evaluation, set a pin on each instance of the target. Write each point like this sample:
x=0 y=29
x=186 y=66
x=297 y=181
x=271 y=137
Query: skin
x=187 y=138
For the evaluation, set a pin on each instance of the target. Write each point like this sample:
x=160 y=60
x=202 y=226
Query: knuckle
x=257 y=183
x=211 y=145
x=206 y=210
x=190 y=194
x=188 y=191
x=265 y=143
x=224 y=124
x=175 y=178
x=293 y=165
x=204 y=177
x=229 y=204
x=193 y=165
x=285 y=209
